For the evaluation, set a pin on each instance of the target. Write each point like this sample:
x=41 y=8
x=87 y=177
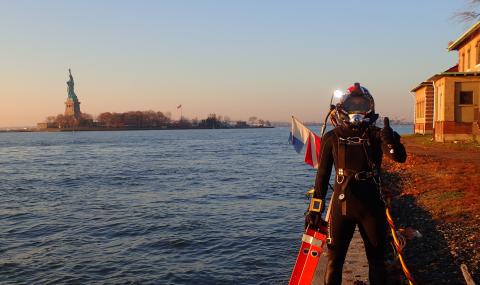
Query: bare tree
x=195 y=122
x=163 y=120
x=105 y=119
x=227 y=120
x=471 y=13
x=51 y=119
x=134 y=119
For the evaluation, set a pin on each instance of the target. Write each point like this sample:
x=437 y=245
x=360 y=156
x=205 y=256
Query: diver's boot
x=333 y=272
x=377 y=274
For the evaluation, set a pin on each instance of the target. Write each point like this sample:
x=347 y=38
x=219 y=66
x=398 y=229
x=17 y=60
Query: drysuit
x=356 y=200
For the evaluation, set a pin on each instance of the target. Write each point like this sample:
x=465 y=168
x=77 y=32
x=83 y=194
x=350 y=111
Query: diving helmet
x=356 y=108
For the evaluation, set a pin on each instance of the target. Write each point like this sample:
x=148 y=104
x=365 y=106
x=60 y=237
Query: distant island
x=143 y=120
x=74 y=119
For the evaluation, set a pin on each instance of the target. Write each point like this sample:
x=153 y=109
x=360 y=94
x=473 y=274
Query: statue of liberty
x=70 y=83
x=72 y=105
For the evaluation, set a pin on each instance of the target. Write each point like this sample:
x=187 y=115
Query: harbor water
x=151 y=207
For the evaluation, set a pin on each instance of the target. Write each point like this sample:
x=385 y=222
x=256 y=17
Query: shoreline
x=35 y=129
x=56 y=130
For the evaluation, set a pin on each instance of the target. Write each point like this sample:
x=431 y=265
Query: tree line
x=150 y=119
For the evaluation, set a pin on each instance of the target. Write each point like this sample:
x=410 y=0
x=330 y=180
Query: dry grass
x=443 y=177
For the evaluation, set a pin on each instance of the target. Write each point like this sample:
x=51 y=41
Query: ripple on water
x=150 y=207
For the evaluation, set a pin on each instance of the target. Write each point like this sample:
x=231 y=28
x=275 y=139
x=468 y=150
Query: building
x=423 y=108
x=47 y=125
x=447 y=104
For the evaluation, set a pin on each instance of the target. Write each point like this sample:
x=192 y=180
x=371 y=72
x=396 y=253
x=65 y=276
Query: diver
x=355 y=146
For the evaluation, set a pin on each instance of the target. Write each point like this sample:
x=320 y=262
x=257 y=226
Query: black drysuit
x=361 y=203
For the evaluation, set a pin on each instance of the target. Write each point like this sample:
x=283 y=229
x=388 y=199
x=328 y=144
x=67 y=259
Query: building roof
x=444 y=74
x=453 y=74
x=429 y=82
x=455 y=45
x=423 y=84
x=453 y=68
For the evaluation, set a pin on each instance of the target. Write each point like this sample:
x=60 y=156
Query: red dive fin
x=308 y=257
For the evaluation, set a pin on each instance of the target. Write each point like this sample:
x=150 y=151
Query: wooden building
x=447 y=104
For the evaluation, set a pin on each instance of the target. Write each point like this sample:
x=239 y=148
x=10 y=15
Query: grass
x=443 y=177
x=427 y=140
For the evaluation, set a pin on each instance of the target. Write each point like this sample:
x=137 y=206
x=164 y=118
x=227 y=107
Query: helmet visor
x=356 y=104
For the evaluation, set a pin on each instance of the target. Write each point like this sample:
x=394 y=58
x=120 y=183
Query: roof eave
x=453 y=74
x=459 y=41
x=423 y=84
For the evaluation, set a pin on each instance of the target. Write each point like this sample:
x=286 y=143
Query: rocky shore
x=437 y=192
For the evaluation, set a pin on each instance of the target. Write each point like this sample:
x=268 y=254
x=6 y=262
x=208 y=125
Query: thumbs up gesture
x=386 y=133
x=386 y=123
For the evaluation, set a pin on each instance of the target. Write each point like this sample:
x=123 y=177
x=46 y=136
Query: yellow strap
x=316 y=205
x=310 y=192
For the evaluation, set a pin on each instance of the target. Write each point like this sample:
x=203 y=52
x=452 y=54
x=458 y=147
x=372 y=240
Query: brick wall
x=429 y=108
x=453 y=128
x=424 y=97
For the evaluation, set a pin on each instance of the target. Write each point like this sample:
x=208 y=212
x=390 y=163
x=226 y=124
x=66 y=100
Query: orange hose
x=397 y=246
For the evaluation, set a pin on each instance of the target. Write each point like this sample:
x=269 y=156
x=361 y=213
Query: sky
x=265 y=58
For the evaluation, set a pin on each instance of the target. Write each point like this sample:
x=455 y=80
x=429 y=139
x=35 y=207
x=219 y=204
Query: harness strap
x=359 y=175
x=369 y=154
x=344 y=175
x=342 y=197
x=342 y=157
x=342 y=170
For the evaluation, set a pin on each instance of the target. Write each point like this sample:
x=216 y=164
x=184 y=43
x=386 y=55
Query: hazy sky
x=238 y=58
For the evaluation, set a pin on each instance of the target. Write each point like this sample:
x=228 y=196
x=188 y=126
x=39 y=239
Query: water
x=151 y=207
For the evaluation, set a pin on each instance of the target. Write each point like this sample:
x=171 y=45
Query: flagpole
x=181 y=111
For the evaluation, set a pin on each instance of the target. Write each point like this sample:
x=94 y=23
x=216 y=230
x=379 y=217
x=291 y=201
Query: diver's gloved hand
x=313 y=220
x=387 y=134
x=391 y=144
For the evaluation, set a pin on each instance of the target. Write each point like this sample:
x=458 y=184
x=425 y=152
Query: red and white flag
x=301 y=136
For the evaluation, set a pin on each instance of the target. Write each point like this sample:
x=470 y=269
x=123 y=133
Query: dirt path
x=355 y=267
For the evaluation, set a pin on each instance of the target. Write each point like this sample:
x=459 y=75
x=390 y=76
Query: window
x=462 y=64
x=478 y=52
x=466 y=97
x=420 y=109
x=468 y=59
